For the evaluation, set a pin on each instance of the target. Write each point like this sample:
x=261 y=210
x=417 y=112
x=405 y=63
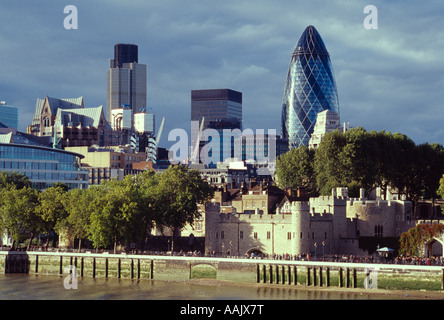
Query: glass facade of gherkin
x=310 y=88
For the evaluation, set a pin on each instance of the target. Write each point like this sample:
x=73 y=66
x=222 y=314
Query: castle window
x=222 y=235
x=268 y=235
x=255 y=235
x=378 y=231
x=241 y=234
x=288 y=235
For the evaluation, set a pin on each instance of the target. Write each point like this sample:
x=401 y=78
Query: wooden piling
x=328 y=276
x=341 y=281
x=295 y=275
x=308 y=281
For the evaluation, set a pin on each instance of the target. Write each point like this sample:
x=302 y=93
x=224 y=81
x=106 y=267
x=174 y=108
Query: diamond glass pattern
x=310 y=88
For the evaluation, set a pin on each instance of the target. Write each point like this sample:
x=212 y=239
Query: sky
x=390 y=78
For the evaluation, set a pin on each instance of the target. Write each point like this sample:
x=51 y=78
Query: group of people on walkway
x=423 y=261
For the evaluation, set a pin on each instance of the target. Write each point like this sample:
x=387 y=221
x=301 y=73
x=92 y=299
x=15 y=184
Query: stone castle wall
x=322 y=225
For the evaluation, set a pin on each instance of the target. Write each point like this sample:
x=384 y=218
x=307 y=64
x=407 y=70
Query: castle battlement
x=374 y=203
x=255 y=218
x=320 y=216
x=329 y=201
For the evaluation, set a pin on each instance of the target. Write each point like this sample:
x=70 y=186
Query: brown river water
x=41 y=287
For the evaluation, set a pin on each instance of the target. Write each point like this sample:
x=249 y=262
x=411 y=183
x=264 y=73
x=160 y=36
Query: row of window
x=15 y=152
x=253 y=204
x=379 y=232
x=26 y=165
x=290 y=235
x=44 y=185
x=56 y=176
x=41 y=166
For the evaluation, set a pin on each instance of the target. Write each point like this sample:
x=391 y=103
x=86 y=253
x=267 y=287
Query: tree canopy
x=295 y=168
x=361 y=159
x=110 y=214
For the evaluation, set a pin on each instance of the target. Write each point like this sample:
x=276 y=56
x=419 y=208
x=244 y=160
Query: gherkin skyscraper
x=310 y=88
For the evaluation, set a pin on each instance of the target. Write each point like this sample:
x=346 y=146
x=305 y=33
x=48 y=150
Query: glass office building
x=8 y=115
x=221 y=109
x=126 y=81
x=215 y=105
x=310 y=88
x=44 y=166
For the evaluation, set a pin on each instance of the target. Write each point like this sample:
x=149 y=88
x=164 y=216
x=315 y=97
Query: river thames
x=42 y=287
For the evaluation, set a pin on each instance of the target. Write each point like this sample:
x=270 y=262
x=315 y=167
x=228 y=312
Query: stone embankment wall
x=311 y=273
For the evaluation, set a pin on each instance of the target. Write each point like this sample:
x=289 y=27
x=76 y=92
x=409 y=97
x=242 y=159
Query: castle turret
x=300 y=215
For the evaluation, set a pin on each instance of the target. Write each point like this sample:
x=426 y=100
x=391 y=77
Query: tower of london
x=266 y=220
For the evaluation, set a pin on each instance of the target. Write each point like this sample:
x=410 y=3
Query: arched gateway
x=434 y=247
x=255 y=252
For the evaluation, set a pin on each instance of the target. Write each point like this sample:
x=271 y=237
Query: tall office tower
x=220 y=109
x=8 y=115
x=310 y=88
x=126 y=82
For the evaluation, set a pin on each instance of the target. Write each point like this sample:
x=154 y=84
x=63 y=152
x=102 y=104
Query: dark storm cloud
x=389 y=78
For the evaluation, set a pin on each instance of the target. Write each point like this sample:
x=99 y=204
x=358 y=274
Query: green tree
x=295 y=168
x=358 y=158
x=19 y=215
x=329 y=168
x=75 y=224
x=17 y=179
x=181 y=190
x=404 y=175
x=113 y=213
x=440 y=190
x=51 y=208
x=385 y=162
x=148 y=199
x=430 y=164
